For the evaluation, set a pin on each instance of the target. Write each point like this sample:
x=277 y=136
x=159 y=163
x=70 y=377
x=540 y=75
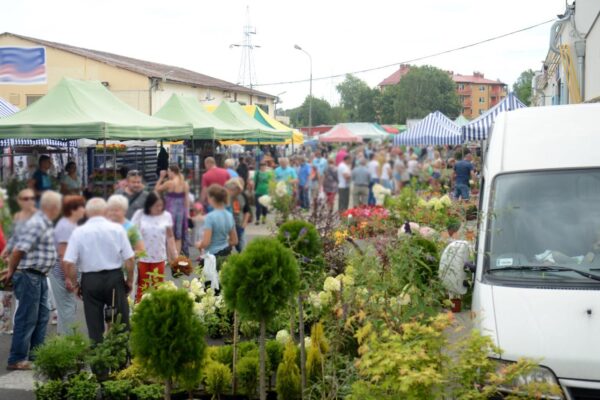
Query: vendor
x=70 y=184
x=40 y=180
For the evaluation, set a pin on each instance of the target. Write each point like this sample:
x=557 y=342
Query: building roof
x=147 y=68
x=394 y=78
x=476 y=78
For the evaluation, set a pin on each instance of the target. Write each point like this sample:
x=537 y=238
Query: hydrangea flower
x=331 y=284
x=283 y=337
x=266 y=201
x=325 y=297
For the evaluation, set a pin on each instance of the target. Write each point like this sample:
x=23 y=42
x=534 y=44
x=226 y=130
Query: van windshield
x=545 y=226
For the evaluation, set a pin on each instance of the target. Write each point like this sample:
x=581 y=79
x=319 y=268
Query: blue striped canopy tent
x=479 y=128
x=6 y=108
x=435 y=129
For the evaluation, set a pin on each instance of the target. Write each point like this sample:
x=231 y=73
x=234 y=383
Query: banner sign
x=22 y=65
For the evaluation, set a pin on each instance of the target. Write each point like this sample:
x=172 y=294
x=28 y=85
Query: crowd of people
x=62 y=246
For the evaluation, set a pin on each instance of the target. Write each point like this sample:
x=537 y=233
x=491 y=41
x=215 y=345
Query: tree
x=358 y=99
x=421 y=91
x=256 y=283
x=522 y=87
x=168 y=337
x=321 y=113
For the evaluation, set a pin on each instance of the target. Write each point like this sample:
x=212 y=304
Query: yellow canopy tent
x=264 y=118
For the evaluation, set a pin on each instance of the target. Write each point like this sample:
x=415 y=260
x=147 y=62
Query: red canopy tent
x=340 y=134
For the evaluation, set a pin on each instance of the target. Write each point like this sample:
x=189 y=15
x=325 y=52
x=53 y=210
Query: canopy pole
x=292 y=144
x=104 y=171
x=194 y=166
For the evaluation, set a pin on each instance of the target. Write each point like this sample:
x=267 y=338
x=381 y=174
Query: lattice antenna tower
x=247 y=71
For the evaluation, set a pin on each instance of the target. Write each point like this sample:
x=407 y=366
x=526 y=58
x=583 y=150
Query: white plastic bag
x=210 y=271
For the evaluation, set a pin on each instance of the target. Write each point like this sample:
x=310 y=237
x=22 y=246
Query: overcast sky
x=341 y=35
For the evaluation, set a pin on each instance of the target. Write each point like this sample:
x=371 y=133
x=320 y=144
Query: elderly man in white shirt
x=99 y=249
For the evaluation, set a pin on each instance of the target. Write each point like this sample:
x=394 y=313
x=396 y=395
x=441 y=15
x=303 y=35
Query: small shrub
x=82 y=386
x=117 y=390
x=316 y=352
x=274 y=354
x=288 y=375
x=246 y=347
x=133 y=373
x=217 y=378
x=111 y=353
x=153 y=391
x=60 y=356
x=247 y=375
x=51 y=390
x=222 y=354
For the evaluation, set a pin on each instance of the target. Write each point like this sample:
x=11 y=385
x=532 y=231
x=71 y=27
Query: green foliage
x=222 y=354
x=261 y=278
x=153 y=391
x=117 y=390
x=111 y=353
x=317 y=350
x=51 y=390
x=321 y=113
x=82 y=386
x=421 y=91
x=303 y=239
x=219 y=324
x=133 y=373
x=249 y=329
x=247 y=375
x=245 y=348
x=217 y=378
x=414 y=363
x=358 y=100
x=522 y=87
x=167 y=337
x=274 y=354
x=60 y=356
x=288 y=375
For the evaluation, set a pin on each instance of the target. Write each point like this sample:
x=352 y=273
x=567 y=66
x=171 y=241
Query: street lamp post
x=309 y=92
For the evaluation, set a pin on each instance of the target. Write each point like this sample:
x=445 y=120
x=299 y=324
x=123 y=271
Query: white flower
x=380 y=192
x=281 y=189
x=307 y=342
x=314 y=299
x=219 y=302
x=185 y=284
x=283 y=337
x=345 y=279
x=168 y=285
x=192 y=296
x=266 y=201
x=331 y=284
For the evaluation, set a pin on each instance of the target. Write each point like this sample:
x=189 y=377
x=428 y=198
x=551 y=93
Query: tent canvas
x=76 y=109
x=7 y=108
x=479 y=128
x=234 y=114
x=258 y=114
x=187 y=109
x=434 y=129
x=461 y=121
x=340 y=134
x=366 y=130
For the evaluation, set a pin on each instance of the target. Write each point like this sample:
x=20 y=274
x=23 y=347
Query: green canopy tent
x=76 y=109
x=206 y=126
x=234 y=114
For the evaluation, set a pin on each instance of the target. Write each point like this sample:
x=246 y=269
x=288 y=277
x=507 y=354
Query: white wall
x=592 y=63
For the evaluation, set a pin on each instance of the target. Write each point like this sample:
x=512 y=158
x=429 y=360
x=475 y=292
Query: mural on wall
x=22 y=65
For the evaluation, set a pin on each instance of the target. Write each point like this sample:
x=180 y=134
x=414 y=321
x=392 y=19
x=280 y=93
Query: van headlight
x=538 y=375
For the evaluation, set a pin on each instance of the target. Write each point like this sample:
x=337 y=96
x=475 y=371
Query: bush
x=316 y=352
x=223 y=354
x=301 y=237
x=288 y=375
x=133 y=373
x=60 y=356
x=153 y=391
x=51 y=390
x=167 y=337
x=217 y=379
x=247 y=347
x=82 y=386
x=250 y=329
x=247 y=375
x=117 y=390
x=111 y=353
x=274 y=354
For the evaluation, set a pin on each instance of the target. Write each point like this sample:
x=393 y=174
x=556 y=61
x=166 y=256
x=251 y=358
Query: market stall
x=435 y=129
x=340 y=134
x=479 y=128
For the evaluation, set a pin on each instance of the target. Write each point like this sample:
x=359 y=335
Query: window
x=242 y=103
x=263 y=107
x=461 y=86
x=544 y=219
x=262 y=99
x=482 y=88
x=481 y=100
x=32 y=98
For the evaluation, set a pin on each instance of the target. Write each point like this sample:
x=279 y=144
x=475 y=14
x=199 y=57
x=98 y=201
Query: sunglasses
x=28 y=198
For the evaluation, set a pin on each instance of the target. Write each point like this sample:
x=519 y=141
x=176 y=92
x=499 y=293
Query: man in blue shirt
x=40 y=180
x=463 y=172
x=303 y=183
x=285 y=173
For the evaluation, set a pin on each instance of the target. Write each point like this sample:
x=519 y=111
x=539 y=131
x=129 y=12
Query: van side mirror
x=452 y=267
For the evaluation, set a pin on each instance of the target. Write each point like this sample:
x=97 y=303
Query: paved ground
x=18 y=385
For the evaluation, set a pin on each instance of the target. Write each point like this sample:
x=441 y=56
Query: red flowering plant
x=365 y=221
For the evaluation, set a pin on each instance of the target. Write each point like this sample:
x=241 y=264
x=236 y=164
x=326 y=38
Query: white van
x=537 y=271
